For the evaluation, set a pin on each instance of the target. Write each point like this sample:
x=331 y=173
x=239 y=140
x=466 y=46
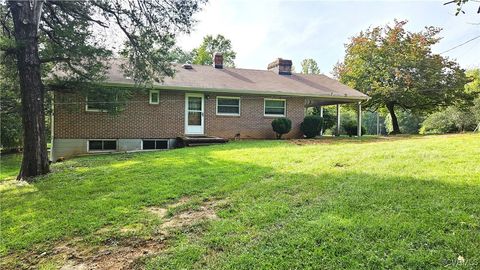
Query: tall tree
x=397 y=68
x=310 y=66
x=203 y=55
x=44 y=34
x=473 y=86
x=181 y=56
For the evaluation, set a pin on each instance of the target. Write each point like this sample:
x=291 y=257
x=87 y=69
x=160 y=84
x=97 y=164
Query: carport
x=321 y=102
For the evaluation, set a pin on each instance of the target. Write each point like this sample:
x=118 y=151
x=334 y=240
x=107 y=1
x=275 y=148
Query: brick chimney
x=281 y=66
x=218 y=60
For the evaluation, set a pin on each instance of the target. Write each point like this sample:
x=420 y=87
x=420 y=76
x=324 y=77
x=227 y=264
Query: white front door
x=194 y=107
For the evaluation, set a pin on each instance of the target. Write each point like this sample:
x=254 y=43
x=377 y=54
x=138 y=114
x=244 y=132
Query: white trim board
x=195 y=130
x=275 y=115
x=229 y=114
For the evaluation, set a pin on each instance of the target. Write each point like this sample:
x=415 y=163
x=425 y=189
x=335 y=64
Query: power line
x=461 y=44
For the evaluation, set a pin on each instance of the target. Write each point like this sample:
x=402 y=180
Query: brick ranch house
x=198 y=100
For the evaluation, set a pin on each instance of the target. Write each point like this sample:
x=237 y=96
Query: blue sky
x=264 y=30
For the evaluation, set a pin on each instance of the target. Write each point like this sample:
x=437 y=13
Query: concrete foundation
x=66 y=148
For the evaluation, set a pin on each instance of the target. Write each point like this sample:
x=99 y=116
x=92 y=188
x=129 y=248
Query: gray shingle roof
x=248 y=81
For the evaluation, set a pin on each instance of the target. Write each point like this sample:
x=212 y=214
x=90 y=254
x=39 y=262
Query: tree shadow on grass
x=338 y=219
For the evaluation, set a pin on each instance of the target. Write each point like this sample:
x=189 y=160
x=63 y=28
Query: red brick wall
x=251 y=123
x=167 y=119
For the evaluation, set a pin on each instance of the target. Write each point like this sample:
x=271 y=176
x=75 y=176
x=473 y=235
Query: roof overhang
x=318 y=98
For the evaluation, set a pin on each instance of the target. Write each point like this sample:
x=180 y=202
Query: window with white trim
x=275 y=107
x=154 y=97
x=102 y=145
x=228 y=106
x=152 y=144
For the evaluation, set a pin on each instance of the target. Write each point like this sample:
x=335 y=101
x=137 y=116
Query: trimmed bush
x=281 y=126
x=350 y=128
x=311 y=125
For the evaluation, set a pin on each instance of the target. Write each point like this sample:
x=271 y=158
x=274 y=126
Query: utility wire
x=461 y=44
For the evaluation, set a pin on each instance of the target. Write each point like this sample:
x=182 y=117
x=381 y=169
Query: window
x=154 y=144
x=275 y=107
x=102 y=145
x=95 y=104
x=154 y=97
x=101 y=102
x=228 y=105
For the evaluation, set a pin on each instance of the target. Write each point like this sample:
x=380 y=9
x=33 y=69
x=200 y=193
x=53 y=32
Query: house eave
x=345 y=99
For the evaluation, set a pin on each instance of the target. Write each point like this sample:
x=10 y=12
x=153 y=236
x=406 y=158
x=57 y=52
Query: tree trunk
x=35 y=156
x=396 y=127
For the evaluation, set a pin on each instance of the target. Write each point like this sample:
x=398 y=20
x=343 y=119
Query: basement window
x=275 y=107
x=228 y=106
x=102 y=145
x=154 y=144
x=154 y=97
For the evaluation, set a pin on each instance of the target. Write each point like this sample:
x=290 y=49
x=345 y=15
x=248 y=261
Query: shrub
x=311 y=125
x=11 y=131
x=452 y=119
x=350 y=128
x=281 y=126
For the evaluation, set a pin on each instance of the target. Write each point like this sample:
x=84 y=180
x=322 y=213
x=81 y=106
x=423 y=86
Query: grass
x=9 y=165
x=377 y=203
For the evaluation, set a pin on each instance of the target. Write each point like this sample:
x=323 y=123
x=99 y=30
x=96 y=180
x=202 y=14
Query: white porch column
x=359 y=120
x=321 y=115
x=338 y=121
x=378 y=124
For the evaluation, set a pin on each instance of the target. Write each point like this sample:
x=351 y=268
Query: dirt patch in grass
x=124 y=256
x=206 y=211
x=125 y=252
x=158 y=211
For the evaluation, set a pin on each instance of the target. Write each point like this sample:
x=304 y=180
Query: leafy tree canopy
x=310 y=66
x=71 y=35
x=474 y=85
x=203 y=55
x=397 y=68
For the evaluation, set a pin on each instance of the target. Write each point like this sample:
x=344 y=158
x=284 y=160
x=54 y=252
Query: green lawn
x=9 y=165
x=410 y=202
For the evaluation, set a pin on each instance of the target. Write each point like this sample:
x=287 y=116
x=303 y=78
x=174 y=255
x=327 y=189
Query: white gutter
x=250 y=92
